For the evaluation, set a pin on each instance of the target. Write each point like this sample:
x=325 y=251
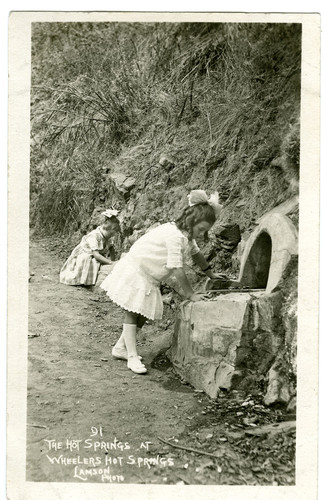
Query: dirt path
x=75 y=385
x=89 y=418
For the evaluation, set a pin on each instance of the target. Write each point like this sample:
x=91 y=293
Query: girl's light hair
x=195 y=214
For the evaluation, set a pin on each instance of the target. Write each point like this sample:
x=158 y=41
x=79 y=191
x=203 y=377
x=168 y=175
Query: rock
x=289 y=312
x=227 y=237
x=278 y=387
x=223 y=376
x=159 y=346
x=288 y=426
x=266 y=346
x=291 y=407
x=266 y=312
x=251 y=421
x=166 y=161
x=122 y=182
x=167 y=298
x=230 y=232
x=235 y=434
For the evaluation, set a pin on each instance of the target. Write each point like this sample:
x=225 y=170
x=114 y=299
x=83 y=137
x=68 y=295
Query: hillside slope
x=136 y=115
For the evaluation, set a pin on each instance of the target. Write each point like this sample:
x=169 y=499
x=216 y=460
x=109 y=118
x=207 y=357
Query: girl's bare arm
x=100 y=258
x=180 y=275
x=204 y=265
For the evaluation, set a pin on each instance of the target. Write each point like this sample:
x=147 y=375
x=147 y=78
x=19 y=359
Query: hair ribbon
x=199 y=196
x=110 y=212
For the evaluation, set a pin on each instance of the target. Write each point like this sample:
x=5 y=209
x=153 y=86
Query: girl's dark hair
x=109 y=222
x=195 y=214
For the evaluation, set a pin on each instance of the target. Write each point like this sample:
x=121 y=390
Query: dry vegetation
x=221 y=101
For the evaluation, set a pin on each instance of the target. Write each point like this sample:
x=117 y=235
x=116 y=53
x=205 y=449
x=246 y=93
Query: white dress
x=134 y=282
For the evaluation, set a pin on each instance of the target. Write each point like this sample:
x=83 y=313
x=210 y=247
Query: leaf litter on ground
x=253 y=446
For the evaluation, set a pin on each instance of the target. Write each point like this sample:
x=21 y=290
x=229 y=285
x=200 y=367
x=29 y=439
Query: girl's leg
x=139 y=324
x=120 y=350
x=129 y=332
x=120 y=344
x=140 y=321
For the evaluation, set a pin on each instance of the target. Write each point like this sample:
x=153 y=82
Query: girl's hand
x=195 y=297
x=213 y=276
x=100 y=258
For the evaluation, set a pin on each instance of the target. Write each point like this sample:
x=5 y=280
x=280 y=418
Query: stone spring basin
x=218 y=342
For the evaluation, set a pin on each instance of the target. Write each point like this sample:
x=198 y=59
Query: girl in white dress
x=134 y=282
x=82 y=266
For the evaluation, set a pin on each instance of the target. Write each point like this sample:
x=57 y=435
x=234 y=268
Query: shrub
x=221 y=99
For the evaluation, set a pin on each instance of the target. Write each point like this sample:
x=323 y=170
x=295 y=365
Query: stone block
x=266 y=311
x=226 y=312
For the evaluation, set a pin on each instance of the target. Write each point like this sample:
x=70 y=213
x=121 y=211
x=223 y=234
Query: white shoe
x=121 y=353
x=135 y=365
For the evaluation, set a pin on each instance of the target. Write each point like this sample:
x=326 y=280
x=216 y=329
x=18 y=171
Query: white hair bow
x=199 y=196
x=110 y=212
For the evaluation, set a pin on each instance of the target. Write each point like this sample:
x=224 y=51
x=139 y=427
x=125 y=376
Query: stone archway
x=267 y=252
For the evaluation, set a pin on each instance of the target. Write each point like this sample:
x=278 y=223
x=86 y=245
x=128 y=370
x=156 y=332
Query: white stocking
x=120 y=344
x=129 y=336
